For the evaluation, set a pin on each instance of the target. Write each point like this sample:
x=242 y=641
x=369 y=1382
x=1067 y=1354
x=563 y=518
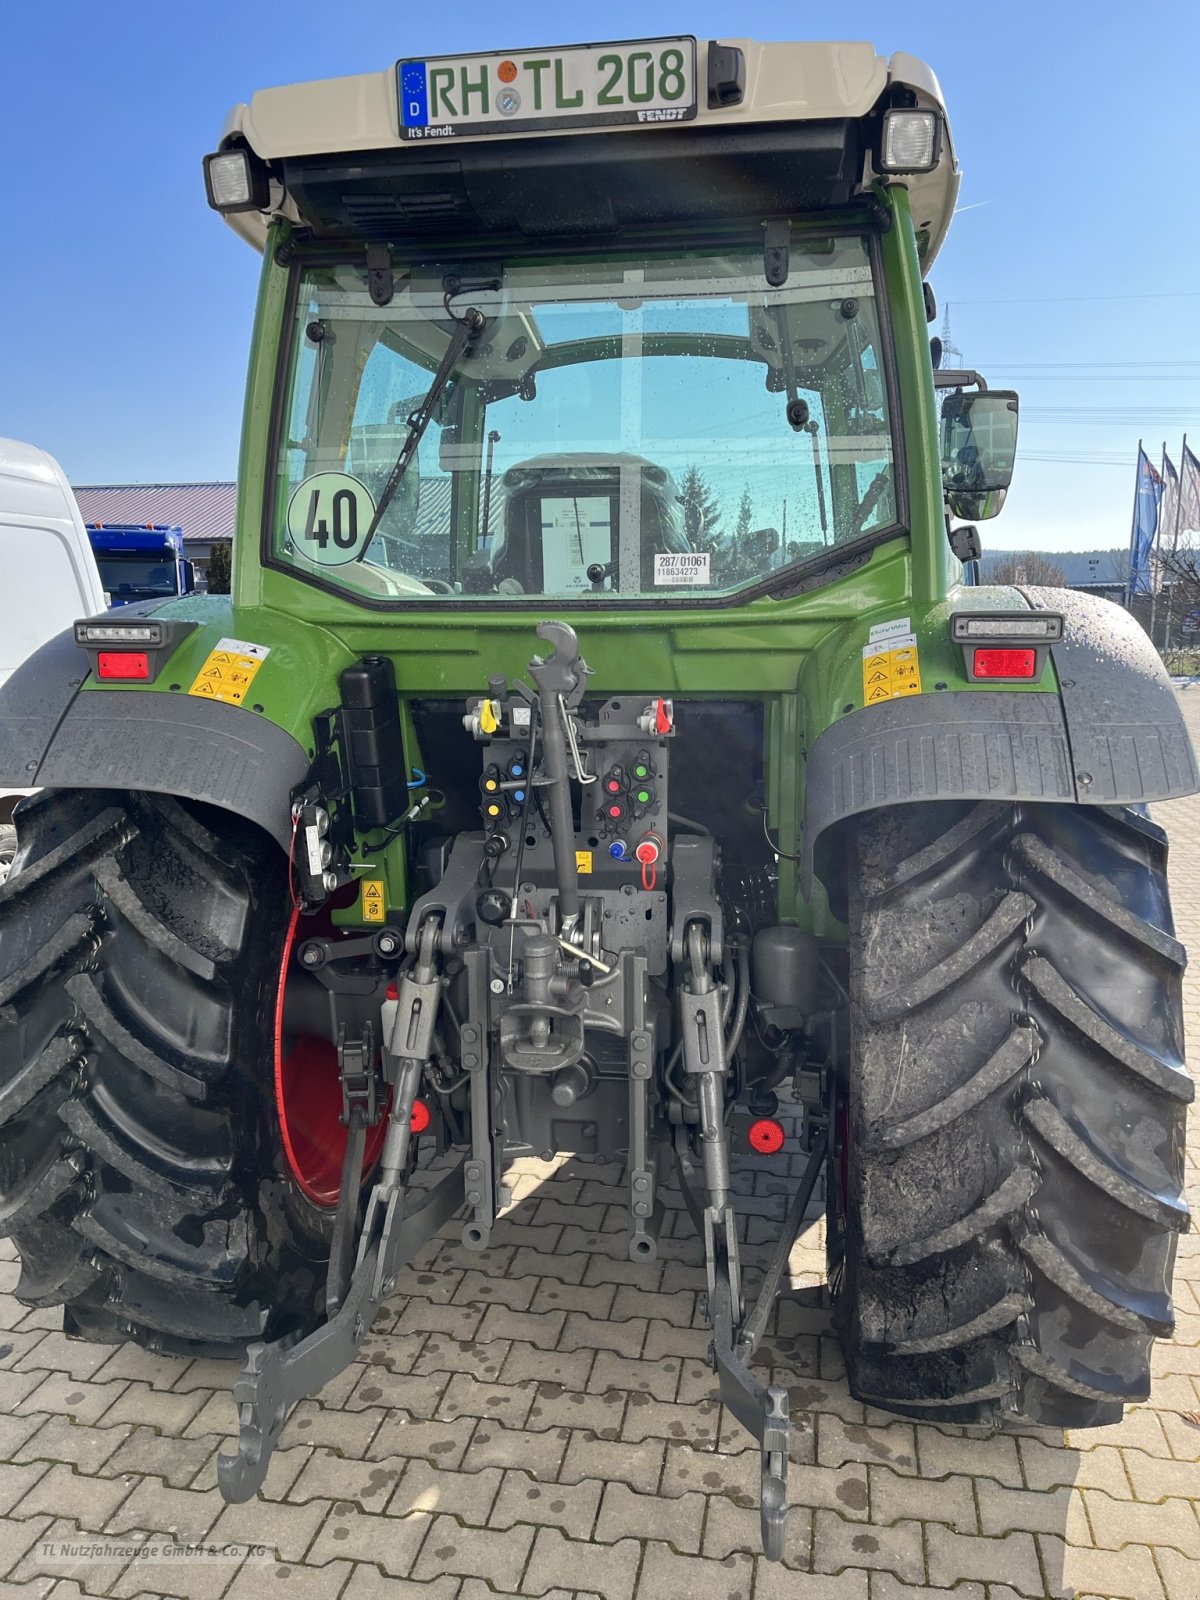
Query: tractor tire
x=8 y=848
x=1010 y=1183
x=142 y=1174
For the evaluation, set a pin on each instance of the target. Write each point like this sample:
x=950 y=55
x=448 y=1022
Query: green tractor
x=601 y=744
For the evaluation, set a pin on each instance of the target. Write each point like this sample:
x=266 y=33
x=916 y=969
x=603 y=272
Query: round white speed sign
x=329 y=517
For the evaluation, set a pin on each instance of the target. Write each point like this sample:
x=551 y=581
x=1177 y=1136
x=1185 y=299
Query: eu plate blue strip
x=414 y=95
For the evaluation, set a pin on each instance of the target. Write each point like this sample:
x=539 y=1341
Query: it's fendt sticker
x=229 y=670
x=372 y=900
x=891 y=668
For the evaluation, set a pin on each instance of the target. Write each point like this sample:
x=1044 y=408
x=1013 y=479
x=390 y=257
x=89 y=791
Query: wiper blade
x=467 y=328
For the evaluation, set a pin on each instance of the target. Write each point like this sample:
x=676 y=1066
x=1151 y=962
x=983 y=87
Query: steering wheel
x=438 y=586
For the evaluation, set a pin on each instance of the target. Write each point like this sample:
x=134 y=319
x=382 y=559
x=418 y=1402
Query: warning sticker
x=583 y=861
x=681 y=571
x=229 y=671
x=891 y=668
x=373 y=904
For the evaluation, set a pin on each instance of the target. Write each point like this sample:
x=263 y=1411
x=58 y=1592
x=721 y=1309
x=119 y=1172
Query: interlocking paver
x=350 y=1534
x=493 y=1445
x=186 y=1514
x=1126 y=1574
x=626 y=1514
x=367 y=1582
x=1170 y=1523
x=571 y=1507
x=666 y=1576
x=838 y=1544
x=558 y=1562
x=498 y=1556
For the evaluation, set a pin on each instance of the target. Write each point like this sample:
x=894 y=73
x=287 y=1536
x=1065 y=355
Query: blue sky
x=1071 y=272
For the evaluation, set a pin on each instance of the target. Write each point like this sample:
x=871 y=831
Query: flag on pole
x=1168 y=499
x=1189 y=492
x=1145 y=525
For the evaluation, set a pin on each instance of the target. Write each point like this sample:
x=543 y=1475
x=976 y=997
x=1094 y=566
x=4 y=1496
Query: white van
x=48 y=574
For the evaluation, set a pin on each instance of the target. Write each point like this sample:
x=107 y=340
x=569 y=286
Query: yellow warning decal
x=583 y=861
x=373 y=903
x=229 y=670
x=891 y=668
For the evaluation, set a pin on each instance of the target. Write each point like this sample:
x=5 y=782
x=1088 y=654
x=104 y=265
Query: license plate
x=588 y=85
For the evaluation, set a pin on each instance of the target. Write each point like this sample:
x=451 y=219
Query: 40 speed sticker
x=329 y=517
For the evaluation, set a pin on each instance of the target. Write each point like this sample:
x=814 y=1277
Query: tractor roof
x=800 y=137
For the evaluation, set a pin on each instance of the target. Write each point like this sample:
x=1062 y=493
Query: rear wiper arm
x=467 y=328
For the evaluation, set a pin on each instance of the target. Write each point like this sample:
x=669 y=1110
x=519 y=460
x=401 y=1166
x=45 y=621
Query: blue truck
x=141 y=561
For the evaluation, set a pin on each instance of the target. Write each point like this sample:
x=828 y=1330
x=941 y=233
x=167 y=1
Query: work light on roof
x=910 y=140
x=235 y=181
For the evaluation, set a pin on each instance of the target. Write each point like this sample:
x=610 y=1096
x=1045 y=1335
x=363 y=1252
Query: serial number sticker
x=686 y=571
x=372 y=900
x=583 y=861
x=891 y=669
x=229 y=670
x=898 y=629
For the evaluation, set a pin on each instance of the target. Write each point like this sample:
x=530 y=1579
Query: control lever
x=560 y=679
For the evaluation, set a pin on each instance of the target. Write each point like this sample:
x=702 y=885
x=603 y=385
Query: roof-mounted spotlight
x=236 y=180
x=912 y=140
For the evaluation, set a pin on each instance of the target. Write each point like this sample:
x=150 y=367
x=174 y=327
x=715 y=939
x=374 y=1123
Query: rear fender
x=52 y=736
x=1113 y=735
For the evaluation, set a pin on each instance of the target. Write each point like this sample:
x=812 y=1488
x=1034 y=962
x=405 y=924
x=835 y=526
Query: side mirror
x=189 y=576
x=979 y=446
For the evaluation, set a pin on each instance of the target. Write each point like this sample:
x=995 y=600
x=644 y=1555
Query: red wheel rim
x=308 y=1101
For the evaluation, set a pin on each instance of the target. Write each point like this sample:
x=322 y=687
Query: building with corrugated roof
x=205 y=511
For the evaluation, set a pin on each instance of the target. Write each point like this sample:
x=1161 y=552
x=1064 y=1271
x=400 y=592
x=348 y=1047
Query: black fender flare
x=52 y=736
x=1113 y=735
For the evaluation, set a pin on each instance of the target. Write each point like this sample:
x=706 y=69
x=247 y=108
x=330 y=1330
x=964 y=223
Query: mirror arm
x=958 y=378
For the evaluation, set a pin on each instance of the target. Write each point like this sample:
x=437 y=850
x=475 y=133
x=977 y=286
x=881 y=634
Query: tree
x=220 y=567
x=745 y=515
x=701 y=510
x=1026 y=566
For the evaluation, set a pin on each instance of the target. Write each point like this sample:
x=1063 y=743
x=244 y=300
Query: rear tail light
x=1006 y=645
x=127 y=664
x=993 y=663
x=132 y=650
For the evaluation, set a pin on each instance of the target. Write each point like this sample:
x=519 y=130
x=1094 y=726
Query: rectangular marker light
x=119 y=633
x=1040 y=627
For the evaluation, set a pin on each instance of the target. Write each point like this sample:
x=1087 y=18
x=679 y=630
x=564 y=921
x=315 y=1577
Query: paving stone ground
x=540 y=1422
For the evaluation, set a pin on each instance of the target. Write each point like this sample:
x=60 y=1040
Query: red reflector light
x=993 y=663
x=766 y=1136
x=123 y=664
x=420 y=1118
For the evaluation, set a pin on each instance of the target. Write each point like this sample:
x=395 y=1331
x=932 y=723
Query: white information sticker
x=681 y=571
x=520 y=716
x=312 y=846
x=889 y=630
